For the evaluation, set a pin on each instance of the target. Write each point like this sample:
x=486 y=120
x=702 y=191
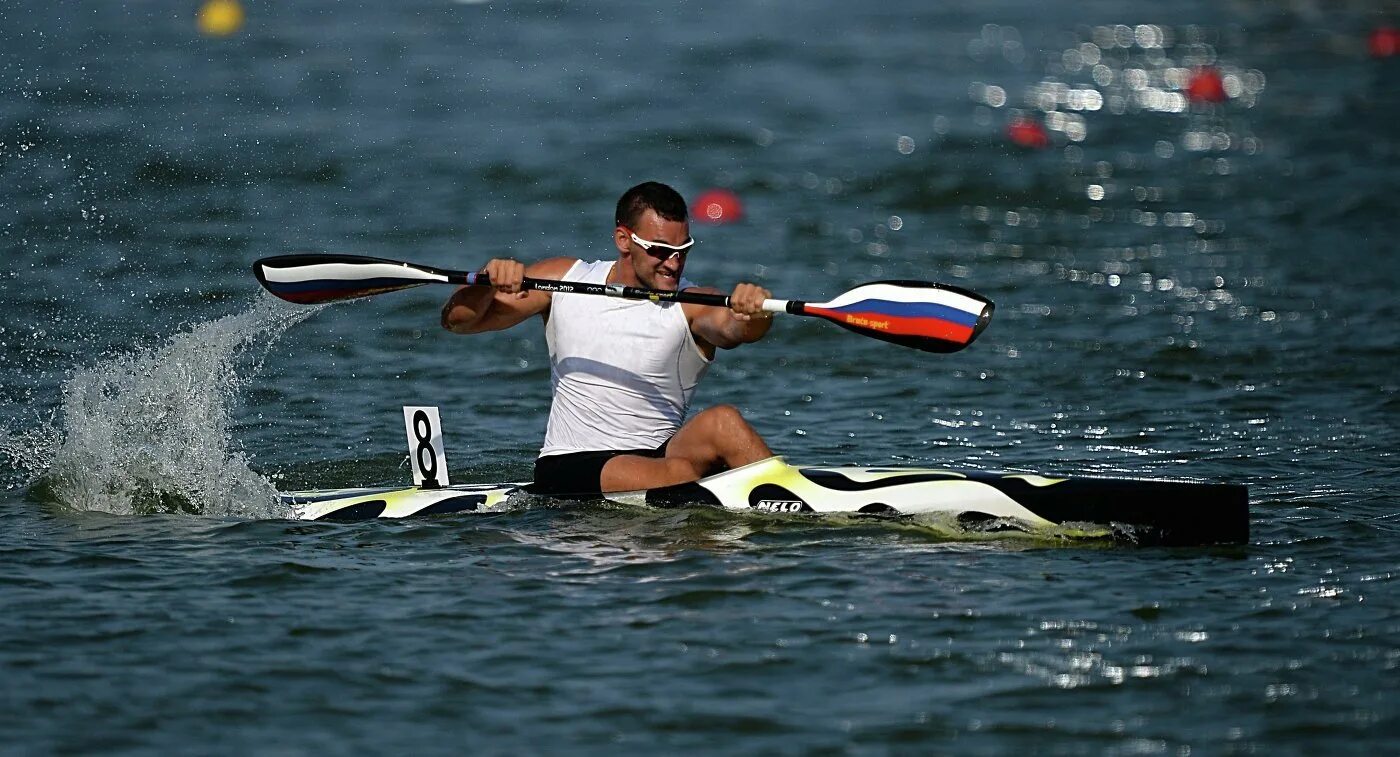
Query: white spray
x=149 y=431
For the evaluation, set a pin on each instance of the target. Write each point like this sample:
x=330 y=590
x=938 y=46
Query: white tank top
x=623 y=371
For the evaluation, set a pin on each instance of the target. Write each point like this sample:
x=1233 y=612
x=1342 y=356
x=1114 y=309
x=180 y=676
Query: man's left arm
x=742 y=322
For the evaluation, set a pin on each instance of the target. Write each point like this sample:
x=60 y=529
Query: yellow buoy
x=220 y=18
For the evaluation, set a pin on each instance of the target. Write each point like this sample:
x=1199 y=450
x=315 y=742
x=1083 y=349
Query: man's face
x=657 y=268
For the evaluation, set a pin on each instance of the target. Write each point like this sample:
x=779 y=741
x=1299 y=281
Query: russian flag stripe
x=905 y=310
x=931 y=327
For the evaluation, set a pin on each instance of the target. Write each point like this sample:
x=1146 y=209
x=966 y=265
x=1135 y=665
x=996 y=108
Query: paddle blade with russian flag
x=311 y=279
x=918 y=314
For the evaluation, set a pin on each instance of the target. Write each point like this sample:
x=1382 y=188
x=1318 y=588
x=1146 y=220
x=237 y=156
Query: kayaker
x=623 y=371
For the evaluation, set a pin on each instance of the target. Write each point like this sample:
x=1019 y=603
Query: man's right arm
x=475 y=309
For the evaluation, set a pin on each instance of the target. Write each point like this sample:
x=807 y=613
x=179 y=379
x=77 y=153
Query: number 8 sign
x=425 y=450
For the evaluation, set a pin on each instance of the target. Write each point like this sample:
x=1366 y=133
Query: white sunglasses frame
x=676 y=250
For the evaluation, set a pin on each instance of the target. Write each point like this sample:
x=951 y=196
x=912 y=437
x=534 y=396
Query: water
x=1184 y=290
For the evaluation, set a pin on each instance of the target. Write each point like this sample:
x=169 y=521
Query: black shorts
x=580 y=473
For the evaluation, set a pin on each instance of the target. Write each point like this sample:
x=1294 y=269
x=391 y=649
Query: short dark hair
x=666 y=201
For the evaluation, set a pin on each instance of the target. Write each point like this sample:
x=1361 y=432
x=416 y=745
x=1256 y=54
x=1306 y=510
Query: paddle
x=918 y=314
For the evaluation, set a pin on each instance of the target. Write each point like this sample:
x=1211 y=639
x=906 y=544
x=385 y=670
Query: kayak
x=1127 y=510
x=916 y=314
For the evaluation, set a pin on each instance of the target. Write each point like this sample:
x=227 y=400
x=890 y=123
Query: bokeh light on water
x=1143 y=170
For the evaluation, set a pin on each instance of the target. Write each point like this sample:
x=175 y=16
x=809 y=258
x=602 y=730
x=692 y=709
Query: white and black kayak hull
x=1143 y=512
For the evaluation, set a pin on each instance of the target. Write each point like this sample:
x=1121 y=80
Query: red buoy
x=1206 y=86
x=1027 y=132
x=717 y=206
x=1384 y=42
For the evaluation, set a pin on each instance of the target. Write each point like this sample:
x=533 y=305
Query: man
x=623 y=371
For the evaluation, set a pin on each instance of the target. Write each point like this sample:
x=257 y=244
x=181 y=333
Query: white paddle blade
x=311 y=279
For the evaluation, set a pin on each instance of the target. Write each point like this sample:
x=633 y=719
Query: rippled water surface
x=1185 y=289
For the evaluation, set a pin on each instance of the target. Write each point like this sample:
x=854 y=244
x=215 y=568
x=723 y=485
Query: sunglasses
x=660 y=250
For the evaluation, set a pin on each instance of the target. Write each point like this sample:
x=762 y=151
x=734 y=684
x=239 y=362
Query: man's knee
x=724 y=417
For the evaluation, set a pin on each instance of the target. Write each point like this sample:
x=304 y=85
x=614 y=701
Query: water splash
x=149 y=431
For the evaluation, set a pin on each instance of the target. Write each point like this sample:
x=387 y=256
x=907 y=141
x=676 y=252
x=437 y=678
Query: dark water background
x=1224 y=310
